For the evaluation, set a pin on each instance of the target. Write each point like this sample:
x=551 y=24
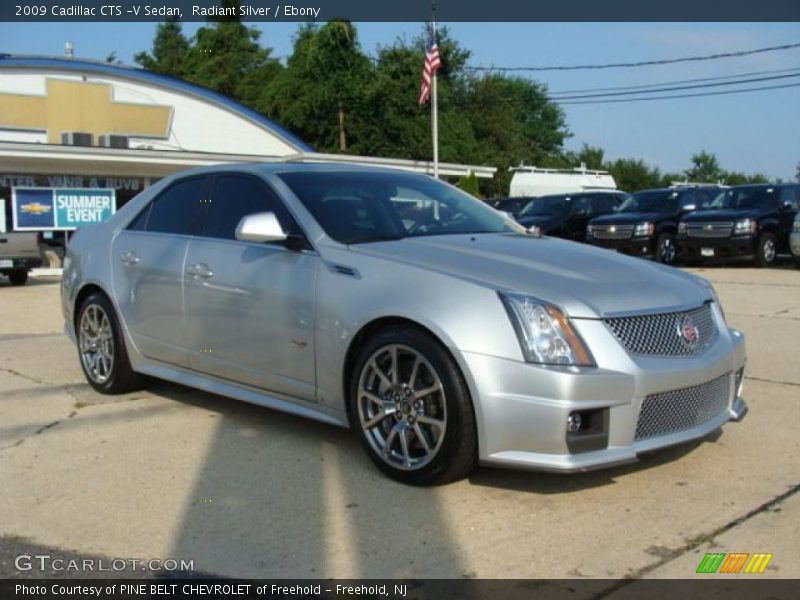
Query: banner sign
x=41 y=209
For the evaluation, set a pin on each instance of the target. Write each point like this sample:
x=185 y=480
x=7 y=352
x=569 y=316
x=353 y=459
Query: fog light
x=573 y=422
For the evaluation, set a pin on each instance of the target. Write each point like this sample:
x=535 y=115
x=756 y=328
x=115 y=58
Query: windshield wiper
x=381 y=237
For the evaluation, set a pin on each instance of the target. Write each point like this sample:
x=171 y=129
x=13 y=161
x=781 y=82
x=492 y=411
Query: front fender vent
x=344 y=270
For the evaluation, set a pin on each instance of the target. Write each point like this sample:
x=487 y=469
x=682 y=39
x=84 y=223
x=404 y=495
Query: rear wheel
x=665 y=249
x=412 y=408
x=101 y=348
x=766 y=249
x=18 y=276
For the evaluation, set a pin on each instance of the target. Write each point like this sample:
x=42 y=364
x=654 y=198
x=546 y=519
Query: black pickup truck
x=647 y=223
x=747 y=220
x=566 y=215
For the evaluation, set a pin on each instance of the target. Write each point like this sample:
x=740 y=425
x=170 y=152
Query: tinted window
x=363 y=206
x=789 y=195
x=580 y=206
x=655 y=200
x=546 y=205
x=605 y=203
x=140 y=222
x=177 y=208
x=236 y=196
x=747 y=197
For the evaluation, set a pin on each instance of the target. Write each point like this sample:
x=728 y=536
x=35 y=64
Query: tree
x=633 y=175
x=469 y=183
x=797 y=174
x=170 y=51
x=705 y=168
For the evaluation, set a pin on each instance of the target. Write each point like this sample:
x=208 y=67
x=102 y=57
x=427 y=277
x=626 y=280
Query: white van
x=532 y=182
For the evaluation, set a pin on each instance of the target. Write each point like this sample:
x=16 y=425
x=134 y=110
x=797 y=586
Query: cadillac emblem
x=688 y=332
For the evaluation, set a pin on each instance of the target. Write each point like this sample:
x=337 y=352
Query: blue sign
x=61 y=208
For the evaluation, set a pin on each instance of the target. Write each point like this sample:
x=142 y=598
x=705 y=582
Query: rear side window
x=605 y=203
x=236 y=196
x=177 y=208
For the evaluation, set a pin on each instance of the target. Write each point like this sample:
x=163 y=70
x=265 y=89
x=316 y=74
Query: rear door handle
x=200 y=271
x=129 y=259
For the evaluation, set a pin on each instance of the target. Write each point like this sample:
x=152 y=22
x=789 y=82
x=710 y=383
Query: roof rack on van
x=523 y=168
x=678 y=184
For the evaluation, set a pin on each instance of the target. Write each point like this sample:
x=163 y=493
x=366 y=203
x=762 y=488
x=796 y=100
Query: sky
x=749 y=132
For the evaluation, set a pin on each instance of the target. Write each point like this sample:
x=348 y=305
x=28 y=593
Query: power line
x=680 y=87
x=652 y=85
x=640 y=63
x=617 y=100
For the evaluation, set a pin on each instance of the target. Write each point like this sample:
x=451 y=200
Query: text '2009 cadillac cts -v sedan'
x=398 y=305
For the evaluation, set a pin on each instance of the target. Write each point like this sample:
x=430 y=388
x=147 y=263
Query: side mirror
x=689 y=207
x=260 y=228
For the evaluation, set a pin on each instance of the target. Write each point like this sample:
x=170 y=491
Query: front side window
x=236 y=196
x=747 y=197
x=553 y=206
x=175 y=210
x=363 y=206
x=655 y=201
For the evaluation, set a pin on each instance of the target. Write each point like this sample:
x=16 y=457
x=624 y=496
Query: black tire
x=455 y=453
x=18 y=277
x=766 y=250
x=666 y=251
x=796 y=260
x=120 y=377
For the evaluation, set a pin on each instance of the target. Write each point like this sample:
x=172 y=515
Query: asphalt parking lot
x=171 y=472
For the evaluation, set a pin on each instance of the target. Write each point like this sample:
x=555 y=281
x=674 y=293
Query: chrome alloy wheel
x=668 y=250
x=96 y=343
x=401 y=407
x=769 y=250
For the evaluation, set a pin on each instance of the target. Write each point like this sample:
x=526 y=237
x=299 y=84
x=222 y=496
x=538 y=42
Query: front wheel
x=665 y=249
x=412 y=408
x=101 y=348
x=18 y=277
x=766 y=249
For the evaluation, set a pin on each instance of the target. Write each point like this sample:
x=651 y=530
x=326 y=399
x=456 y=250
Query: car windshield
x=361 y=206
x=656 y=201
x=546 y=205
x=749 y=197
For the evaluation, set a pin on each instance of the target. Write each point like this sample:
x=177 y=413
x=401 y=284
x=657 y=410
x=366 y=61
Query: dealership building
x=91 y=127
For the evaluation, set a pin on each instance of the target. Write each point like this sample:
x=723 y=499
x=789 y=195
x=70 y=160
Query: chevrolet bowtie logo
x=35 y=208
x=85 y=107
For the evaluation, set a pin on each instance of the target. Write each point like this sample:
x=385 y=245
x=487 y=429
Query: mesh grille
x=709 y=230
x=662 y=334
x=612 y=232
x=677 y=410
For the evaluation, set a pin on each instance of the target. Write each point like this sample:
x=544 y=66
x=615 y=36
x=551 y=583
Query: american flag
x=432 y=64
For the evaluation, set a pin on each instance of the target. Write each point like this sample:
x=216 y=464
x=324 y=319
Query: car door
x=250 y=307
x=147 y=263
x=580 y=212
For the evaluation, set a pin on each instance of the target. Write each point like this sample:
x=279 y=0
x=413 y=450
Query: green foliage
x=170 y=51
x=634 y=174
x=705 y=168
x=469 y=183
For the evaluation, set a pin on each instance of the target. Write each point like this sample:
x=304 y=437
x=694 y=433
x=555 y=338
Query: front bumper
x=635 y=246
x=522 y=409
x=692 y=248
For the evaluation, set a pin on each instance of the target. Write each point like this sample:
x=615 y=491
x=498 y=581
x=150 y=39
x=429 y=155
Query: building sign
x=122 y=184
x=38 y=209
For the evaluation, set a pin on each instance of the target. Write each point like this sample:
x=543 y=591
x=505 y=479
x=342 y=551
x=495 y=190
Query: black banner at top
x=402 y=10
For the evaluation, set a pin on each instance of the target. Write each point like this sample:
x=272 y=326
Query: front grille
x=709 y=230
x=668 y=412
x=612 y=232
x=665 y=334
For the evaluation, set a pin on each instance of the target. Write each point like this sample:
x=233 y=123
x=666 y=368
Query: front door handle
x=200 y=271
x=129 y=259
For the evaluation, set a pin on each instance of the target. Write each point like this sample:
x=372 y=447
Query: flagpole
x=434 y=105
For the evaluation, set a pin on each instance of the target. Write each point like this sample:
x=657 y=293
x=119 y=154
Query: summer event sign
x=38 y=208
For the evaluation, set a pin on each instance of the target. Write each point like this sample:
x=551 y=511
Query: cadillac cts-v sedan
x=395 y=304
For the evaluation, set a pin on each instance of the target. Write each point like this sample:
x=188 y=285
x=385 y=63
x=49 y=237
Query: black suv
x=566 y=215
x=646 y=224
x=746 y=220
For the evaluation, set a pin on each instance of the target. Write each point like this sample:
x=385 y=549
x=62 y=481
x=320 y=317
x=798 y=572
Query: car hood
x=724 y=214
x=585 y=281
x=543 y=221
x=627 y=218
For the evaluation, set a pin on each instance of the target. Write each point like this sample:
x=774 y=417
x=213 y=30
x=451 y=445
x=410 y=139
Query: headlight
x=715 y=297
x=545 y=334
x=682 y=228
x=745 y=226
x=644 y=229
x=590 y=230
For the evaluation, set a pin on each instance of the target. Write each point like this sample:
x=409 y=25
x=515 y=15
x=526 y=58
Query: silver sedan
x=395 y=304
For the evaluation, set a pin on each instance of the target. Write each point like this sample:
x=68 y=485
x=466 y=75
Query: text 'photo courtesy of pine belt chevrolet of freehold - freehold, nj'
x=395 y=301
